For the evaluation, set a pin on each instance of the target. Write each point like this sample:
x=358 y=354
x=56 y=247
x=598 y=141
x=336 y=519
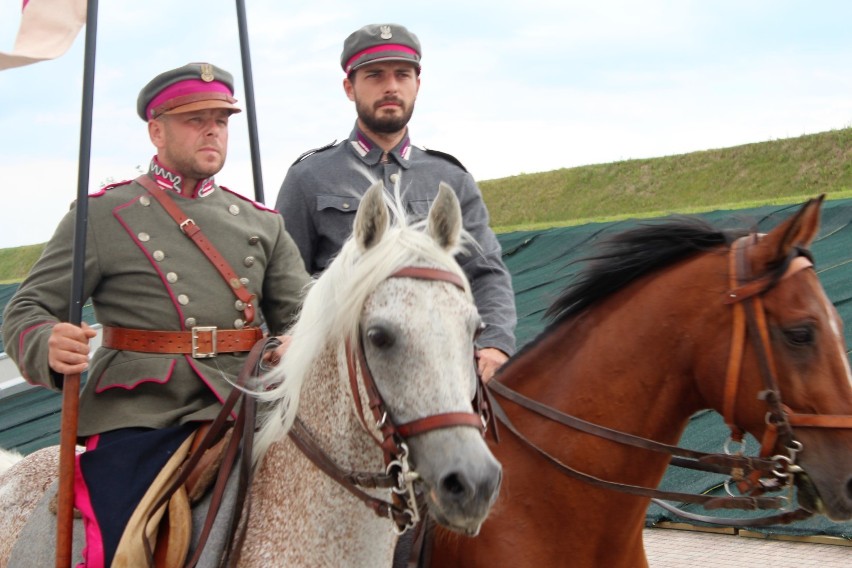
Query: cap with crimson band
x=195 y=86
x=379 y=42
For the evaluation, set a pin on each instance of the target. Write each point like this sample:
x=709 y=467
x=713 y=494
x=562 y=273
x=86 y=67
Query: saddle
x=168 y=528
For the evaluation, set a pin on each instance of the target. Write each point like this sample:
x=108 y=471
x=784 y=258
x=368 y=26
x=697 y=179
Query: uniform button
x=234 y=209
x=240 y=305
x=239 y=324
x=394 y=178
x=183 y=299
x=144 y=237
x=345 y=206
x=145 y=201
x=172 y=277
x=253 y=240
x=249 y=261
x=159 y=255
x=189 y=322
x=244 y=281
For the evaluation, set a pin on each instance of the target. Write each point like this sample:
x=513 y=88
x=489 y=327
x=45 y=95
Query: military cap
x=379 y=42
x=195 y=86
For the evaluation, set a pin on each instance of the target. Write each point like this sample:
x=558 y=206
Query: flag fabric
x=48 y=28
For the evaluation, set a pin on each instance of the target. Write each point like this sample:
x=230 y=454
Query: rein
x=398 y=475
x=745 y=295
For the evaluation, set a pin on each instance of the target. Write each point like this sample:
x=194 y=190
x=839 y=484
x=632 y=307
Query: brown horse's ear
x=798 y=231
x=372 y=219
x=445 y=218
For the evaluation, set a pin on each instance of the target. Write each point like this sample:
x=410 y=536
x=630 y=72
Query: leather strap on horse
x=349 y=480
x=692 y=459
x=243 y=432
x=193 y=231
x=780 y=519
x=707 y=501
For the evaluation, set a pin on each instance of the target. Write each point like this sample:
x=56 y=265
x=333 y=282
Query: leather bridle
x=753 y=475
x=749 y=315
x=398 y=474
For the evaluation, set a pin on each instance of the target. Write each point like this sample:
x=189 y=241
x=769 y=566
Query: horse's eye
x=380 y=337
x=800 y=336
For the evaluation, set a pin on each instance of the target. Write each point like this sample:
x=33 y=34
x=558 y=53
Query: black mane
x=626 y=256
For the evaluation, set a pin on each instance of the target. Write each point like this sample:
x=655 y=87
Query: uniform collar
x=168 y=179
x=371 y=153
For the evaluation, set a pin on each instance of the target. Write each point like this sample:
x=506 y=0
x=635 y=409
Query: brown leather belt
x=200 y=342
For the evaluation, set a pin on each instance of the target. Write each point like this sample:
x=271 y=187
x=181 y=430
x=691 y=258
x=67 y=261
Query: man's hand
x=488 y=360
x=273 y=357
x=68 y=348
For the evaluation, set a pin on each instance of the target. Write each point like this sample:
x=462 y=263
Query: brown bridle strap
x=437 y=421
x=737 y=347
x=707 y=501
x=424 y=273
x=682 y=457
x=818 y=420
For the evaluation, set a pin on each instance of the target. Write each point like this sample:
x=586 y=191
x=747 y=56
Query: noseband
x=745 y=296
x=398 y=475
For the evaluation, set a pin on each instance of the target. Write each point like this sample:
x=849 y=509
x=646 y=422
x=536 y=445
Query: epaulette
x=448 y=157
x=104 y=189
x=314 y=151
x=257 y=204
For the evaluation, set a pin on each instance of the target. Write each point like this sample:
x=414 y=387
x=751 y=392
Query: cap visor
x=202 y=105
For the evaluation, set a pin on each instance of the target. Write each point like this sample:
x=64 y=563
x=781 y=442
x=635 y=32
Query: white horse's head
x=417 y=335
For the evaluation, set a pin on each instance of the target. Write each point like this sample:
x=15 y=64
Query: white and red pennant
x=48 y=28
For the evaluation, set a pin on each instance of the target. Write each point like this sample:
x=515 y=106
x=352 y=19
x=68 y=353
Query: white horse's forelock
x=332 y=310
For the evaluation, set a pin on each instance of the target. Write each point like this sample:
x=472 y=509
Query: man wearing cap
x=322 y=189
x=177 y=328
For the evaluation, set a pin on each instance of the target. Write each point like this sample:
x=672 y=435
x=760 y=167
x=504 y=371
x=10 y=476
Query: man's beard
x=386 y=125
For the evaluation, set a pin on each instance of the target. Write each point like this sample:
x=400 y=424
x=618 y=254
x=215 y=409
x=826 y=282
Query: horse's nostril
x=453 y=485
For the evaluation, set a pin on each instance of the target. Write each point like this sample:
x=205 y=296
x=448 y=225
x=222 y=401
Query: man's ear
x=349 y=88
x=155 y=132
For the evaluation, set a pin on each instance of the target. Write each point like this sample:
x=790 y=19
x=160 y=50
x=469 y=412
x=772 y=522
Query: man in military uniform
x=177 y=328
x=321 y=191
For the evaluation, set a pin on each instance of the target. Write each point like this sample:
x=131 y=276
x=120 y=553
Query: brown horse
x=651 y=332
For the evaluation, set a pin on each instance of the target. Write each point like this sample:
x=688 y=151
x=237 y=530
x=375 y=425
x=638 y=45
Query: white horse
x=396 y=291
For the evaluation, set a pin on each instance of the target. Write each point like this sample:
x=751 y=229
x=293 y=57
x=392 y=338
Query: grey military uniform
x=321 y=192
x=142 y=272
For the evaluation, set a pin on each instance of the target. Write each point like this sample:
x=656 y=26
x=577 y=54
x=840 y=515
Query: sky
x=507 y=87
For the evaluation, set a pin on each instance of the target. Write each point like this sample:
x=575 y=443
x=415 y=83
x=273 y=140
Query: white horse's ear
x=372 y=220
x=445 y=218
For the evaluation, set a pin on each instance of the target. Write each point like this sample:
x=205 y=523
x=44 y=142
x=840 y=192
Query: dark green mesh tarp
x=542 y=264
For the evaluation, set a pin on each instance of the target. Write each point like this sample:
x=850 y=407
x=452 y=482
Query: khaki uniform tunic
x=142 y=272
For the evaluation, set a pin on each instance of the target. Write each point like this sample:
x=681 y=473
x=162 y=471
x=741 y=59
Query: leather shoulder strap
x=193 y=231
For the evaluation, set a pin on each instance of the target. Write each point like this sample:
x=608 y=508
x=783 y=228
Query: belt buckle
x=211 y=329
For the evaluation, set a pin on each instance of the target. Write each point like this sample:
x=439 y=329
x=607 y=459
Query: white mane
x=332 y=310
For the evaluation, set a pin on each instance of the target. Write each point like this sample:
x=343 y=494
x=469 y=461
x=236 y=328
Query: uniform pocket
x=129 y=370
x=419 y=208
x=342 y=203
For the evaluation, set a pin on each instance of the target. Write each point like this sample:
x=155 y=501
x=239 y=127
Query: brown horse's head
x=803 y=378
